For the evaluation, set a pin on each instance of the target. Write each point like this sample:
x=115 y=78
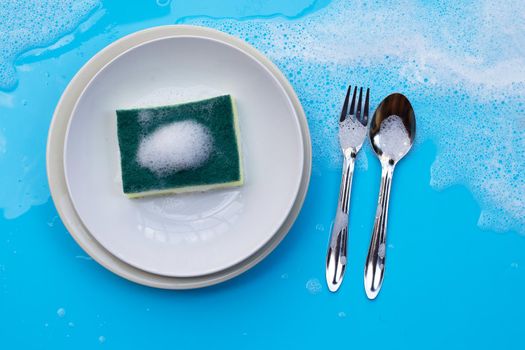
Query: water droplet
x=101 y=339
x=61 y=312
x=314 y=286
x=52 y=222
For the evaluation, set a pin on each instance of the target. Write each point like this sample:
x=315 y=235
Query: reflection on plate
x=190 y=218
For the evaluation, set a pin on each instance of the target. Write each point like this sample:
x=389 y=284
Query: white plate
x=193 y=234
x=56 y=175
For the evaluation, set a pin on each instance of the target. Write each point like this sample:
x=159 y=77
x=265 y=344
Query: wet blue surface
x=454 y=279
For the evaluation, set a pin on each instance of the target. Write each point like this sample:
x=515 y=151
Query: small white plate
x=194 y=234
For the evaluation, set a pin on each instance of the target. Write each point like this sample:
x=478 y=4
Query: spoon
x=392 y=132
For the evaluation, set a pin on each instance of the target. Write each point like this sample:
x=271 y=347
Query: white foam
x=177 y=146
x=36 y=24
x=144 y=116
x=393 y=138
x=351 y=133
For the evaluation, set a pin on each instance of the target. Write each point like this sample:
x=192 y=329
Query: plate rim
x=56 y=174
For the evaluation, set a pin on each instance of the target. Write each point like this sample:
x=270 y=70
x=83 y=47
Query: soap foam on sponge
x=177 y=146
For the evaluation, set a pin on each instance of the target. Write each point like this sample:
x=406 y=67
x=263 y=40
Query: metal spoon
x=392 y=132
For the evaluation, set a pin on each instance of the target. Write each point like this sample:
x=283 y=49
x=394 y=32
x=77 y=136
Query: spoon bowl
x=393 y=128
x=392 y=133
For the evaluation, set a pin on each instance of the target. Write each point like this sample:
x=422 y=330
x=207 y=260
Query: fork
x=352 y=133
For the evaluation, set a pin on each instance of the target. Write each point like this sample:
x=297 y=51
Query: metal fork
x=352 y=133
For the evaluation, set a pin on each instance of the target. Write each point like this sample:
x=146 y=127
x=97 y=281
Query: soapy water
x=31 y=29
x=462 y=66
x=36 y=24
x=174 y=147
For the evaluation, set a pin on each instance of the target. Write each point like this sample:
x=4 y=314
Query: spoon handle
x=336 y=255
x=375 y=260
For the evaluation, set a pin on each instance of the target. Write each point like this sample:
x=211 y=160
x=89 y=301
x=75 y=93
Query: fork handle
x=336 y=255
x=375 y=260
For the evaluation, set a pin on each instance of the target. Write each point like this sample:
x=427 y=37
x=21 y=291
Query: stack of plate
x=179 y=241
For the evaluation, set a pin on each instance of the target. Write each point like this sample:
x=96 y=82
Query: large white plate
x=252 y=247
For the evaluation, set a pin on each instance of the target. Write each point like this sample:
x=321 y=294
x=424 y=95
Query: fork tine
x=344 y=112
x=352 y=105
x=365 y=110
x=358 y=110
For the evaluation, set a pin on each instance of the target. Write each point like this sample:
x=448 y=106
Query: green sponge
x=181 y=148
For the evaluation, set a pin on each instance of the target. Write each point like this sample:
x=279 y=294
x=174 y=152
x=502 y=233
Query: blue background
x=448 y=284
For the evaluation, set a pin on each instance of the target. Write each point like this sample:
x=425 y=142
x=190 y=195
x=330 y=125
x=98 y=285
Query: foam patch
x=177 y=146
x=36 y=24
